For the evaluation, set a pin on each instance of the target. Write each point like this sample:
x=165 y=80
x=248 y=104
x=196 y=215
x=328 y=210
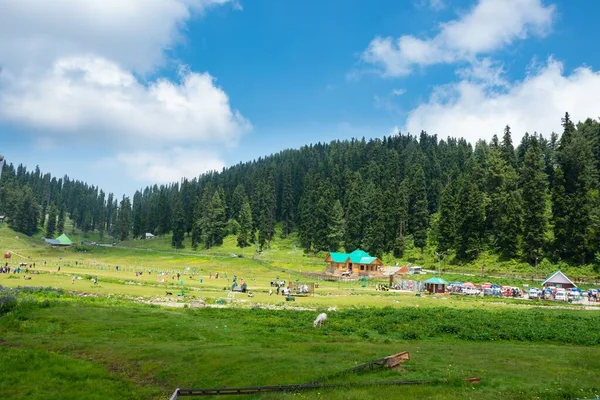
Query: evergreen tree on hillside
x=401 y=213
x=507 y=149
x=308 y=216
x=373 y=239
x=335 y=234
x=265 y=202
x=26 y=214
x=245 y=219
x=178 y=225
x=535 y=187
x=51 y=224
x=355 y=214
x=214 y=222
x=287 y=202
x=60 y=225
x=137 y=215
x=447 y=220
x=417 y=208
x=470 y=220
x=323 y=211
x=124 y=218
x=237 y=200
x=197 y=225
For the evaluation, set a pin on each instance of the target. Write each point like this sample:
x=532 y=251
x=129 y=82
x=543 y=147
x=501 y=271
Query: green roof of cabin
x=356 y=257
x=436 y=281
x=64 y=240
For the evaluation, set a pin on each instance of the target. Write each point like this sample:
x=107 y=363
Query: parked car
x=533 y=293
x=561 y=295
x=472 y=291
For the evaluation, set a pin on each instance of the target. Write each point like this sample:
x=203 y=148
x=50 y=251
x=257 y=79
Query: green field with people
x=82 y=325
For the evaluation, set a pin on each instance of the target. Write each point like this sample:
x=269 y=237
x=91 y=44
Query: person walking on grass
x=72 y=280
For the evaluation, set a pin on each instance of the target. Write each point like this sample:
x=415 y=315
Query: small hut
x=435 y=285
x=558 y=280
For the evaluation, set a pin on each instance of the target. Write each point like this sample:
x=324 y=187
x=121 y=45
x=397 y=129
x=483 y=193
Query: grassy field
x=109 y=348
x=113 y=340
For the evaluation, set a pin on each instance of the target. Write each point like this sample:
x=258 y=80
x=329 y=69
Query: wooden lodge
x=357 y=263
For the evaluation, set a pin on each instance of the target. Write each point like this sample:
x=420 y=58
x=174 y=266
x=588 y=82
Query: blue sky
x=123 y=94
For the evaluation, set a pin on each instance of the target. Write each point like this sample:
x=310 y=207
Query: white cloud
x=475 y=109
x=134 y=33
x=489 y=26
x=167 y=166
x=91 y=96
x=76 y=71
x=435 y=5
x=398 y=92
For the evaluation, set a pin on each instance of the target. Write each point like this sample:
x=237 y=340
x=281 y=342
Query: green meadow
x=126 y=338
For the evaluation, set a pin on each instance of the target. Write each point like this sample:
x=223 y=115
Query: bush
x=7 y=302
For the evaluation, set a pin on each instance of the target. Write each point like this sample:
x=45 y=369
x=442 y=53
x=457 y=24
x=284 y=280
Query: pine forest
x=538 y=199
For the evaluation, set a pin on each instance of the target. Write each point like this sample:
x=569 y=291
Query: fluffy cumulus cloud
x=134 y=33
x=489 y=26
x=75 y=69
x=168 y=165
x=473 y=108
x=96 y=96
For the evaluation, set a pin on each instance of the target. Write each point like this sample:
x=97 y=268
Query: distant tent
x=62 y=240
x=149 y=235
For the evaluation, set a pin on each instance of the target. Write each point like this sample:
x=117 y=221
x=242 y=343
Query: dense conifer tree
x=51 y=224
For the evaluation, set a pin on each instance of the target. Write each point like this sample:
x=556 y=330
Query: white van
x=561 y=295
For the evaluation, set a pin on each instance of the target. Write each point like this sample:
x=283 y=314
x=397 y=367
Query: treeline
x=537 y=200
x=30 y=200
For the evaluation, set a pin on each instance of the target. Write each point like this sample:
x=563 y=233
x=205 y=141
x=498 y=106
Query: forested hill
x=537 y=200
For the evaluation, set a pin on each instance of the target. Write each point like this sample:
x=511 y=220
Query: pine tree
x=417 y=208
x=178 y=225
x=535 y=186
x=470 y=220
x=507 y=149
x=308 y=215
x=197 y=225
x=137 y=215
x=60 y=225
x=51 y=224
x=322 y=215
x=214 y=223
x=124 y=219
x=373 y=239
x=356 y=211
x=239 y=194
x=447 y=220
x=335 y=234
x=402 y=216
x=287 y=202
x=245 y=219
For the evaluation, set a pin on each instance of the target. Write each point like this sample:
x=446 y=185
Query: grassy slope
x=103 y=348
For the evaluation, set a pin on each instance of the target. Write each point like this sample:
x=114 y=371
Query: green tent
x=63 y=240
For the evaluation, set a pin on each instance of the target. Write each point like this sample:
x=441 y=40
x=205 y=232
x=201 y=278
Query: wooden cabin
x=357 y=263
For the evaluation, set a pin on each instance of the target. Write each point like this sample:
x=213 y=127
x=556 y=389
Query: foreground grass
x=108 y=348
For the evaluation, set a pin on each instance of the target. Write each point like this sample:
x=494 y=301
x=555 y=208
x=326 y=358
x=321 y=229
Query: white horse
x=321 y=318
